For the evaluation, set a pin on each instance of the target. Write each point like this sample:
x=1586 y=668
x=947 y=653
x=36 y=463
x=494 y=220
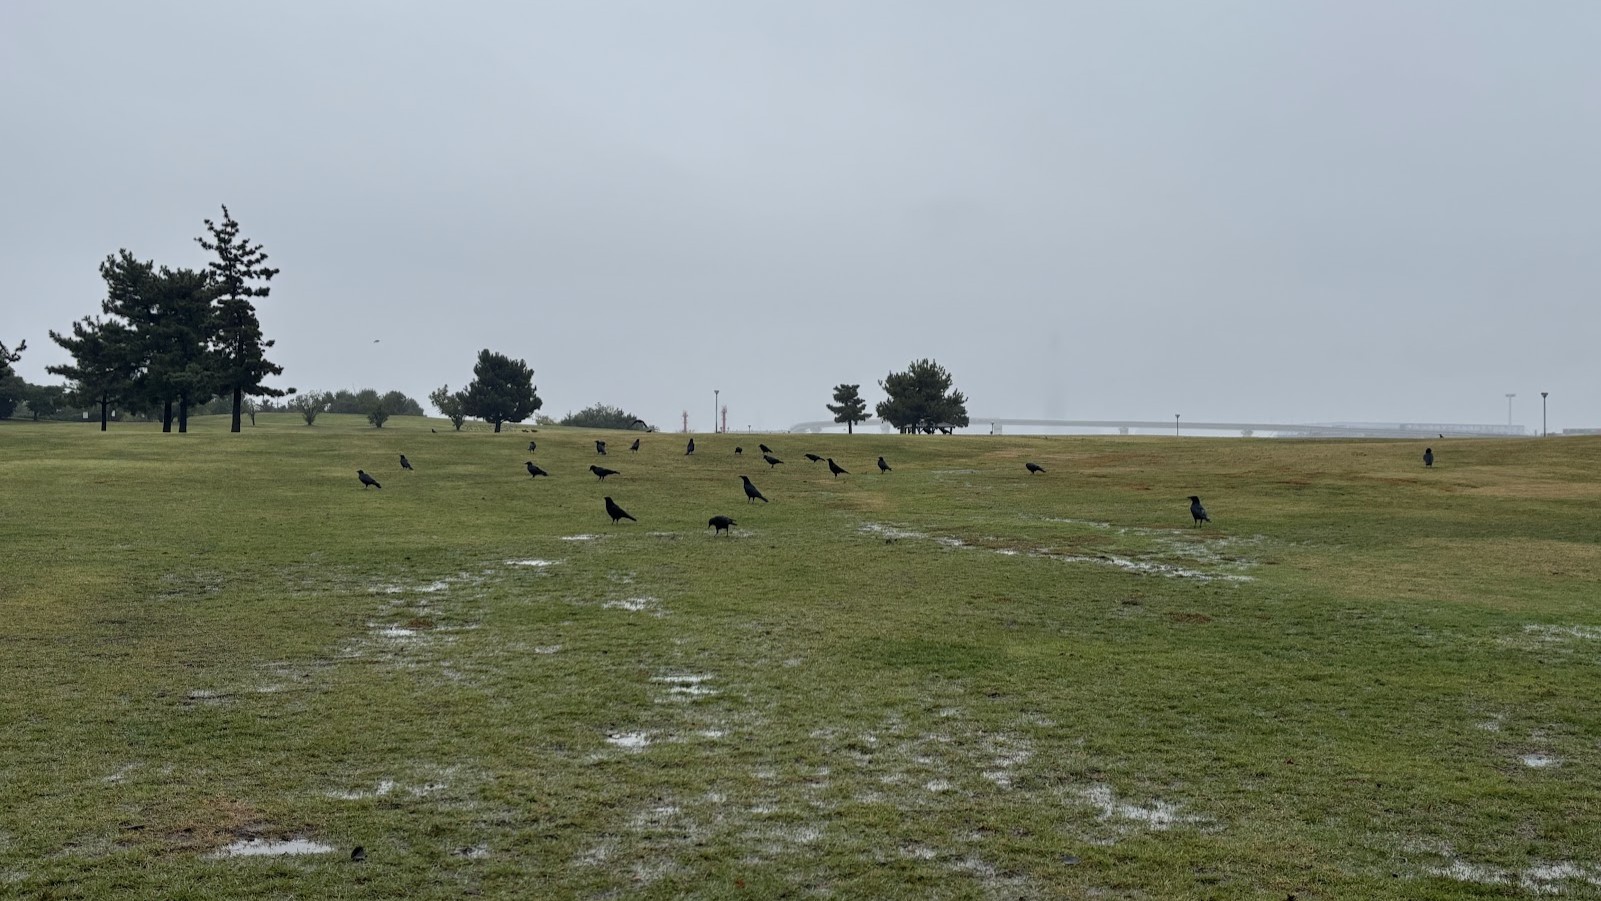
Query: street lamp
x=1543 y=432
x=1509 y=408
x=716 y=405
x=1175 y=425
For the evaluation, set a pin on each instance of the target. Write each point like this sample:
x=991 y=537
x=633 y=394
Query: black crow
x=634 y=448
x=367 y=480
x=771 y=460
x=882 y=466
x=1034 y=467
x=751 y=494
x=535 y=471
x=1428 y=456
x=764 y=448
x=690 y=449
x=1198 y=511
x=616 y=513
x=601 y=472
x=435 y=431
x=814 y=458
x=600 y=448
x=739 y=450
x=404 y=463
x=721 y=524
x=530 y=447
x=358 y=854
x=837 y=469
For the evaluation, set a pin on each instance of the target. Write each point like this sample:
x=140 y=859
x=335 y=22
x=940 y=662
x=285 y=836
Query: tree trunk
x=497 y=427
x=183 y=415
x=850 y=426
x=166 y=416
x=105 y=406
x=238 y=406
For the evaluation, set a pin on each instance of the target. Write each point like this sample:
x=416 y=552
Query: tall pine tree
x=101 y=370
x=237 y=274
x=850 y=408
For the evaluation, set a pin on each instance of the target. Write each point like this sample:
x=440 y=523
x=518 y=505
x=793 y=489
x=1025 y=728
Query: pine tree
x=850 y=408
x=921 y=398
x=238 y=274
x=502 y=390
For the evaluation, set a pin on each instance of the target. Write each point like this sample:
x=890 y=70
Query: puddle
x=686 y=685
x=476 y=852
x=1540 y=879
x=260 y=847
x=384 y=787
x=632 y=741
x=1539 y=761
x=396 y=633
x=1157 y=815
x=579 y=537
x=1561 y=633
x=547 y=649
x=636 y=605
x=532 y=562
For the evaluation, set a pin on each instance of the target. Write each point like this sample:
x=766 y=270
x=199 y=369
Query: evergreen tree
x=238 y=274
x=502 y=390
x=12 y=388
x=101 y=371
x=449 y=405
x=850 y=408
x=600 y=416
x=921 y=398
x=167 y=316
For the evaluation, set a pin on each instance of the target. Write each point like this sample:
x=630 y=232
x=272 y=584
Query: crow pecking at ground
x=600 y=448
x=771 y=460
x=882 y=466
x=739 y=450
x=634 y=448
x=1428 y=456
x=601 y=472
x=367 y=480
x=721 y=524
x=837 y=469
x=764 y=448
x=616 y=512
x=405 y=464
x=1034 y=467
x=814 y=458
x=751 y=494
x=1198 y=511
x=535 y=471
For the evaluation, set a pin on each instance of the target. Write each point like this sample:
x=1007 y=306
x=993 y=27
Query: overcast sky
x=1267 y=211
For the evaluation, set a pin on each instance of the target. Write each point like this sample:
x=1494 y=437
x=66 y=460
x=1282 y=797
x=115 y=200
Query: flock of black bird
x=720 y=524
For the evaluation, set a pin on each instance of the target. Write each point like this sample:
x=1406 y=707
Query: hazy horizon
x=1240 y=211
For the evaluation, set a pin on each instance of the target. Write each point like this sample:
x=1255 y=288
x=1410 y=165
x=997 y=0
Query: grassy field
x=953 y=680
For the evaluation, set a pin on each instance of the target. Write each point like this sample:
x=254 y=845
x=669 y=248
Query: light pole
x=1543 y=432
x=1175 y=425
x=716 y=405
x=1509 y=408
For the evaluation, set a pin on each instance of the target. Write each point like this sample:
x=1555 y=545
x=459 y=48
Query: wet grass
x=952 y=680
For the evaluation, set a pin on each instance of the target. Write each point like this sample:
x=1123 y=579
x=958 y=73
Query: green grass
x=953 y=680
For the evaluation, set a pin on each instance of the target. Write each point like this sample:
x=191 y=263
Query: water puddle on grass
x=1158 y=815
x=1539 y=761
x=637 y=605
x=579 y=537
x=687 y=685
x=532 y=562
x=1541 y=879
x=260 y=847
x=1172 y=547
x=629 y=741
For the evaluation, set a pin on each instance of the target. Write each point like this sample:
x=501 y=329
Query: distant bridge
x=998 y=424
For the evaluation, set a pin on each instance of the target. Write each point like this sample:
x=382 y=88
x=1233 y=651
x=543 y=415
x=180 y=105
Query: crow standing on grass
x=739 y=450
x=837 y=469
x=814 y=458
x=405 y=464
x=634 y=448
x=771 y=460
x=535 y=471
x=751 y=493
x=367 y=480
x=764 y=448
x=530 y=447
x=616 y=513
x=721 y=524
x=690 y=449
x=601 y=472
x=600 y=448
x=1198 y=511
x=1034 y=467
x=1428 y=456
x=882 y=466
